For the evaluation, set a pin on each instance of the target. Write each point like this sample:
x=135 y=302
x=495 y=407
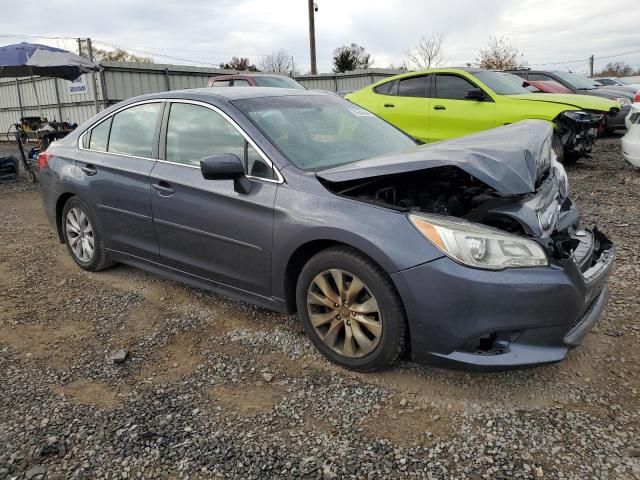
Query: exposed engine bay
x=545 y=215
x=443 y=191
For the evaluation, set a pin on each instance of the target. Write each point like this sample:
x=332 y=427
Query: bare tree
x=278 y=61
x=500 y=54
x=616 y=69
x=242 y=64
x=428 y=53
x=118 y=55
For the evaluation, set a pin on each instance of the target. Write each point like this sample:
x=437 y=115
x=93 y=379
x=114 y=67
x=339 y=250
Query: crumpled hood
x=509 y=159
x=586 y=102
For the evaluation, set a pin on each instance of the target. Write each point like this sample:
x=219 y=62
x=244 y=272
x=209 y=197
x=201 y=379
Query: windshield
x=280 y=82
x=577 y=81
x=321 y=131
x=502 y=83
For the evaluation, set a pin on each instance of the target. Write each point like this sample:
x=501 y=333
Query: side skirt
x=271 y=303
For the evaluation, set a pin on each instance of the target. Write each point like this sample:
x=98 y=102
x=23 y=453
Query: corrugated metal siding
x=345 y=82
x=125 y=80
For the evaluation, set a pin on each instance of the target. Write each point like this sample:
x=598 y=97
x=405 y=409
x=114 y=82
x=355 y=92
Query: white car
x=631 y=141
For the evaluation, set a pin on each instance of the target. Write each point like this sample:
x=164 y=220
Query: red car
x=546 y=86
x=254 y=80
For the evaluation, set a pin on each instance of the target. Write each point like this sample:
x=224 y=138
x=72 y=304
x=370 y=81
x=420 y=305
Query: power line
x=618 y=55
x=155 y=53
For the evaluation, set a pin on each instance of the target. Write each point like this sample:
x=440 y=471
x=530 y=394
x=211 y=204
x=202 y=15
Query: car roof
x=235 y=93
x=234 y=75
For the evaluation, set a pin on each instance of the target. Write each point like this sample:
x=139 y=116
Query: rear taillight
x=637 y=97
x=43 y=159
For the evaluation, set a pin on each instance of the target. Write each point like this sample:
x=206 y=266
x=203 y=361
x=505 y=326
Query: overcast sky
x=214 y=30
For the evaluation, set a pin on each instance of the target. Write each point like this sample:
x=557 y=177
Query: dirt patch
x=414 y=423
x=88 y=393
x=53 y=343
x=179 y=358
x=247 y=399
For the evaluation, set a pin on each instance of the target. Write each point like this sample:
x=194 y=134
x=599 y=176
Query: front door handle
x=89 y=169
x=439 y=107
x=389 y=105
x=163 y=188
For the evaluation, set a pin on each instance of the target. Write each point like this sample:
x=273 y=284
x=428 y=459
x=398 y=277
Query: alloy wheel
x=344 y=313
x=80 y=234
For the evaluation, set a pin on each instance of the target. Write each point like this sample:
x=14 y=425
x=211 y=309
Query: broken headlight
x=478 y=246
x=582 y=116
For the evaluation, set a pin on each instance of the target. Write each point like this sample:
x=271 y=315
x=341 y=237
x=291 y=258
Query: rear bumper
x=519 y=317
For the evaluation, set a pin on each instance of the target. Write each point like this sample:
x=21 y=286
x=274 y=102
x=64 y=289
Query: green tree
x=350 y=57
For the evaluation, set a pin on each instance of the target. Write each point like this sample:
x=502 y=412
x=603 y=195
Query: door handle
x=389 y=105
x=89 y=169
x=163 y=188
x=439 y=107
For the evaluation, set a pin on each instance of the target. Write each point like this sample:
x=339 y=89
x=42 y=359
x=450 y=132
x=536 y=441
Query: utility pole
x=94 y=82
x=312 y=36
x=80 y=46
x=591 y=58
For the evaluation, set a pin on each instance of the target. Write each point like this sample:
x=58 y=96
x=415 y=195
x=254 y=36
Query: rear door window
x=221 y=83
x=414 y=86
x=452 y=87
x=241 y=82
x=133 y=129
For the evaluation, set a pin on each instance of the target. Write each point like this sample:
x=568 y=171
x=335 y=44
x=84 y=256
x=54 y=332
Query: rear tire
x=360 y=322
x=82 y=237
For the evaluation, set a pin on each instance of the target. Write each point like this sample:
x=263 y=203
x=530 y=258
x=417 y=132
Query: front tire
x=84 y=241
x=350 y=310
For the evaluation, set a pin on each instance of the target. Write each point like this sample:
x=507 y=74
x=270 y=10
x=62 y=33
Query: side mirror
x=226 y=166
x=474 y=94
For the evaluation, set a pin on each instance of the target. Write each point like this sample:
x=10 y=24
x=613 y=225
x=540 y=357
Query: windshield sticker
x=360 y=112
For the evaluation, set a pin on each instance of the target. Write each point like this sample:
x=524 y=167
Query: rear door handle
x=163 y=188
x=389 y=105
x=89 y=169
x=439 y=107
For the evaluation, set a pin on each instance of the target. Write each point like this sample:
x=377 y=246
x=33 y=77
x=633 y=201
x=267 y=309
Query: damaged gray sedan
x=467 y=252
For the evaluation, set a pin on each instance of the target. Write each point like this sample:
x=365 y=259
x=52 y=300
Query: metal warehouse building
x=58 y=99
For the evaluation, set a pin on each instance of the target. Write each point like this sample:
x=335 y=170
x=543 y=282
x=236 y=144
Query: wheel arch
x=60 y=203
x=304 y=252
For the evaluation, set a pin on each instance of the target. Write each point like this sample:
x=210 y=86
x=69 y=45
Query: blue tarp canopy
x=27 y=59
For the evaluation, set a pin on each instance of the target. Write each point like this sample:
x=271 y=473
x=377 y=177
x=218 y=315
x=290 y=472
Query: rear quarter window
x=383 y=88
x=99 y=136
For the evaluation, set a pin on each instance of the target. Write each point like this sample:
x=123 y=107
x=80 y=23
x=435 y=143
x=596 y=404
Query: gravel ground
x=215 y=388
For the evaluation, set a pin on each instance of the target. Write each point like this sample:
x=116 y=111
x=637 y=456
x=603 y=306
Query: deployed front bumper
x=516 y=317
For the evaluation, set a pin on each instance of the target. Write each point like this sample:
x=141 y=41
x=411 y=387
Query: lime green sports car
x=438 y=104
